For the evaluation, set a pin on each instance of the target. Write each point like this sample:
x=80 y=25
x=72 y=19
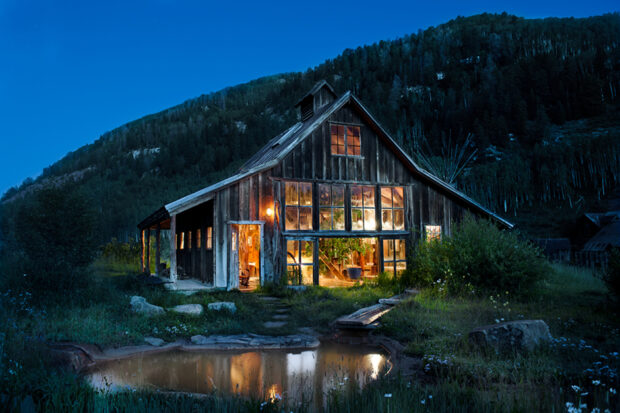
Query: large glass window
x=298 y=206
x=394 y=255
x=346 y=140
x=299 y=262
x=331 y=207
x=345 y=261
x=392 y=208
x=363 y=208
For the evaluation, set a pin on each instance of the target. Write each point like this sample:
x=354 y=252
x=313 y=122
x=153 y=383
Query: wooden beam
x=142 y=251
x=157 y=248
x=148 y=251
x=173 y=248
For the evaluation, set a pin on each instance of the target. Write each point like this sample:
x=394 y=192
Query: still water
x=293 y=375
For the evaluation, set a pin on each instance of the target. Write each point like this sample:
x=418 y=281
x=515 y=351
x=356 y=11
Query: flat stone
x=154 y=341
x=298 y=288
x=267 y=298
x=199 y=339
x=274 y=324
x=282 y=310
x=190 y=309
x=280 y=317
x=518 y=335
x=223 y=305
x=140 y=305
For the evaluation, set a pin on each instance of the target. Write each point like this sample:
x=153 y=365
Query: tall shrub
x=478 y=258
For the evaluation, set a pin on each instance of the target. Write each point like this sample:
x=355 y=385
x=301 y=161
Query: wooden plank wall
x=197 y=262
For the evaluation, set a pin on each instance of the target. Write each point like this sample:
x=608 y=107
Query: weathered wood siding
x=197 y=262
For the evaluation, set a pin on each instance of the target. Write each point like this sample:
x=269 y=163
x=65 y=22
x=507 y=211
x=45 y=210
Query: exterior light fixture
x=269 y=212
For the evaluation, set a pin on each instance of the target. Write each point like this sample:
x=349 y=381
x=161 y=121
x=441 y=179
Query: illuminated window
x=331 y=207
x=298 y=206
x=433 y=232
x=299 y=262
x=392 y=208
x=198 y=238
x=182 y=244
x=394 y=255
x=346 y=140
x=363 y=208
x=189 y=240
x=209 y=238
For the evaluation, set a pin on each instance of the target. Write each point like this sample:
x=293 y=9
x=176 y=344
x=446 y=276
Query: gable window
x=298 y=206
x=346 y=140
x=363 y=208
x=331 y=207
x=433 y=232
x=394 y=256
x=299 y=262
x=392 y=208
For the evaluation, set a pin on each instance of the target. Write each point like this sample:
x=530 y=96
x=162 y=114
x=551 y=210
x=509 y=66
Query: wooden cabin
x=331 y=201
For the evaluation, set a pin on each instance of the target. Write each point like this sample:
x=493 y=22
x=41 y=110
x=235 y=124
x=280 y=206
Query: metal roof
x=281 y=145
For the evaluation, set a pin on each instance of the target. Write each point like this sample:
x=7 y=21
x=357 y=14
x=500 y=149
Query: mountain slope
x=503 y=80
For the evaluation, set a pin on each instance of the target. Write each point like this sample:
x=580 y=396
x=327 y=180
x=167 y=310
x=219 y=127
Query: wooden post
x=157 y=248
x=148 y=251
x=142 y=250
x=173 y=248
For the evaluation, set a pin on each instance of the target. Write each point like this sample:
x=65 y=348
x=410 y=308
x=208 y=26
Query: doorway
x=245 y=246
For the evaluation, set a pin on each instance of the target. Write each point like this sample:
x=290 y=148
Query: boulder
x=223 y=305
x=154 y=341
x=190 y=309
x=199 y=339
x=140 y=305
x=511 y=335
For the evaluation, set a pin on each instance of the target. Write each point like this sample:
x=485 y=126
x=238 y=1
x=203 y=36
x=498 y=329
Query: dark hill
x=538 y=98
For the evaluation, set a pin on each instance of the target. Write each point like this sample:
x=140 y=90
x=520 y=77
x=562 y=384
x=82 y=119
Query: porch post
x=141 y=250
x=148 y=251
x=157 y=248
x=173 y=248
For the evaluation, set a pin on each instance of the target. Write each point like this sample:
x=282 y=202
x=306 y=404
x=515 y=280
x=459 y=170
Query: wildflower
x=596 y=410
x=585 y=393
x=569 y=405
x=596 y=382
x=577 y=389
x=612 y=390
x=423 y=401
x=387 y=395
x=430 y=396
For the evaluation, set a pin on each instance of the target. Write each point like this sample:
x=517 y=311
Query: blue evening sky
x=72 y=70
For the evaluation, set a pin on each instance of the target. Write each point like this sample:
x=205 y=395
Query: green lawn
x=454 y=377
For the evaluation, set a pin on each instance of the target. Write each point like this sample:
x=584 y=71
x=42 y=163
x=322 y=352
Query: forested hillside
x=537 y=99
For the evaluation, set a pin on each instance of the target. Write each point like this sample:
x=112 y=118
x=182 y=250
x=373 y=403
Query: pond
x=297 y=376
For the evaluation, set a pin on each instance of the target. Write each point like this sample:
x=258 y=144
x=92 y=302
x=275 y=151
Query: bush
x=611 y=276
x=477 y=259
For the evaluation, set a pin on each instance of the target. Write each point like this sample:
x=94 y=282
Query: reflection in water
x=301 y=376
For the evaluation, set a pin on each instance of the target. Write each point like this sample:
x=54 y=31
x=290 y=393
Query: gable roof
x=608 y=236
x=280 y=146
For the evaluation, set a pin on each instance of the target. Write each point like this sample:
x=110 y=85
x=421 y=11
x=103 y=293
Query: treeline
x=503 y=80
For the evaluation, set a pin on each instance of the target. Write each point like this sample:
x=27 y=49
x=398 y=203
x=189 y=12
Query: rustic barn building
x=330 y=201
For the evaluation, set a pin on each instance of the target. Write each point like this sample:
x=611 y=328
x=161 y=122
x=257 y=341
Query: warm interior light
x=269 y=212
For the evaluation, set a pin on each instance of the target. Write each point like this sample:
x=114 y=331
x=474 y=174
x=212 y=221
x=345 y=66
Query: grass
x=455 y=377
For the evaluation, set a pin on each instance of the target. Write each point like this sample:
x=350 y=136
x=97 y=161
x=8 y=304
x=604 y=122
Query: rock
x=223 y=305
x=280 y=317
x=274 y=324
x=518 y=335
x=190 y=309
x=298 y=288
x=200 y=340
x=140 y=305
x=154 y=341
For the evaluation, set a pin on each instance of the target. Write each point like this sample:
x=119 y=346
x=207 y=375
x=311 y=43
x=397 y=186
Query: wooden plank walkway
x=367 y=316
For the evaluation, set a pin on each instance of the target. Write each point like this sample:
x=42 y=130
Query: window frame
x=298 y=206
x=333 y=208
x=363 y=207
x=300 y=264
x=393 y=259
x=392 y=208
x=345 y=137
